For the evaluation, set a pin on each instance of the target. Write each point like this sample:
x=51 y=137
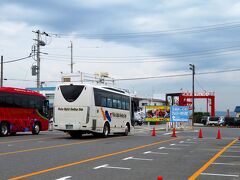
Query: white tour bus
x=85 y=108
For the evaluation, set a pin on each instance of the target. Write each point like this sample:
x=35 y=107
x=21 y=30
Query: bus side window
x=2 y=101
x=9 y=101
x=103 y=101
x=123 y=105
x=119 y=104
x=109 y=102
x=114 y=103
x=127 y=105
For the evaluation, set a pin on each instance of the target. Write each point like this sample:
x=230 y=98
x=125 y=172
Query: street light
x=192 y=67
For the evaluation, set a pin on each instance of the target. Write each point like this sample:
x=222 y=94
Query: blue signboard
x=179 y=113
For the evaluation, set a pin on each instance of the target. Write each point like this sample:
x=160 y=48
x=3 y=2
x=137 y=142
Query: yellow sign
x=157 y=113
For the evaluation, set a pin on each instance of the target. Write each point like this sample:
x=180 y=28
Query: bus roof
x=106 y=88
x=19 y=91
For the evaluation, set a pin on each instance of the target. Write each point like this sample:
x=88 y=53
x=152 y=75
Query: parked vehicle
x=232 y=121
x=216 y=121
x=138 y=118
x=205 y=119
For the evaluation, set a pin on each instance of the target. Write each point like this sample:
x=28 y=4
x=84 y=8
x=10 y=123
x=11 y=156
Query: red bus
x=22 y=110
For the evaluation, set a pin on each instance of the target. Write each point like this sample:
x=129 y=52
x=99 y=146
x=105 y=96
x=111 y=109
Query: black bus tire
x=4 y=129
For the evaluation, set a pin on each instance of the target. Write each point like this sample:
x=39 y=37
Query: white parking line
x=150 y=152
x=228 y=164
x=64 y=178
x=111 y=167
x=230 y=156
x=169 y=148
x=133 y=158
x=234 y=147
x=224 y=175
x=233 y=151
x=185 y=145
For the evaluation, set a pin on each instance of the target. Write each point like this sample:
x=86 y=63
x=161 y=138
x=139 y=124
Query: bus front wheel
x=4 y=129
x=36 y=129
x=106 y=130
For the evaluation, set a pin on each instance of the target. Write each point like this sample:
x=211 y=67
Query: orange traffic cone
x=160 y=178
x=174 y=133
x=200 y=133
x=219 y=134
x=153 y=132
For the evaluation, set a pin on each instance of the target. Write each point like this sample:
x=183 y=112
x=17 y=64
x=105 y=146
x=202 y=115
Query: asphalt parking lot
x=54 y=155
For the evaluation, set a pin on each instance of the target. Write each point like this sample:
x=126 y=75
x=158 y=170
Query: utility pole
x=39 y=43
x=38 y=59
x=1 y=82
x=192 y=67
x=71 y=57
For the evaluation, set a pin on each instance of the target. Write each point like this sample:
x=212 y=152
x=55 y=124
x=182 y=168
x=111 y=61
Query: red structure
x=185 y=99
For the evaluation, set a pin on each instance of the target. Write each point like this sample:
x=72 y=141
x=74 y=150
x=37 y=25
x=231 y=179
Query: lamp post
x=192 y=67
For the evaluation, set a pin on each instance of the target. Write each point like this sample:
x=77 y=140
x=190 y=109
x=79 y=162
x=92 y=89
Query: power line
x=197 y=29
x=19 y=59
x=149 y=77
x=193 y=53
x=178 y=75
x=203 y=57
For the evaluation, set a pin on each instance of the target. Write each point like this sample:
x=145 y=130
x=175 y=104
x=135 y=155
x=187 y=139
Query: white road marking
x=141 y=159
x=10 y=145
x=233 y=151
x=225 y=175
x=150 y=152
x=169 y=148
x=111 y=167
x=167 y=133
x=181 y=142
x=229 y=164
x=172 y=144
x=182 y=145
x=234 y=147
x=188 y=139
x=64 y=178
x=230 y=156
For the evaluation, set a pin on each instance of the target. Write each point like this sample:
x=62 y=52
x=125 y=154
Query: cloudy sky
x=128 y=39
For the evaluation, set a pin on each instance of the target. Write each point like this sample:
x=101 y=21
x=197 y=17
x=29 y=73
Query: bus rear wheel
x=106 y=130
x=4 y=129
x=36 y=129
x=127 y=129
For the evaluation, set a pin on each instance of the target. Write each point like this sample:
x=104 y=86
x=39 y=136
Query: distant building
x=237 y=111
x=141 y=102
